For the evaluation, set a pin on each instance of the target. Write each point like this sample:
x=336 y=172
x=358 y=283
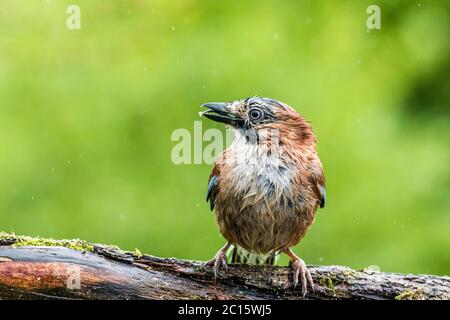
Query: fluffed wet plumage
x=266 y=187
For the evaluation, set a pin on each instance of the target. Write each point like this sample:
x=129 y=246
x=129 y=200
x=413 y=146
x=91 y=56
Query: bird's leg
x=219 y=260
x=300 y=272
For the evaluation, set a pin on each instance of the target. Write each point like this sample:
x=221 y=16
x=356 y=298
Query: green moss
x=198 y=268
x=410 y=294
x=137 y=253
x=350 y=273
x=7 y=237
x=328 y=282
x=22 y=241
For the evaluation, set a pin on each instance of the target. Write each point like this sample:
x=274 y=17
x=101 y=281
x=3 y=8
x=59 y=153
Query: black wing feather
x=323 y=196
x=210 y=194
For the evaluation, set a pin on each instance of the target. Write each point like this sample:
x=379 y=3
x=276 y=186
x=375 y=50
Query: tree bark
x=71 y=269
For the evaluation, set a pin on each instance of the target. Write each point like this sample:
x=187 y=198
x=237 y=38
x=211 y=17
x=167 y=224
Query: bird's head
x=251 y=116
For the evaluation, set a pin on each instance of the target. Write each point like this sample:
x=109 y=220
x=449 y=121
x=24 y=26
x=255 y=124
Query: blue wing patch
x=210 y=193
x=323 y=197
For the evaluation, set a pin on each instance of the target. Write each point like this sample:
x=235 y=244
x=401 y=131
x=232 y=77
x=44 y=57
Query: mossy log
x=35 y=268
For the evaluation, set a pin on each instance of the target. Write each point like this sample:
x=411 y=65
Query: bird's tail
x=241 y=256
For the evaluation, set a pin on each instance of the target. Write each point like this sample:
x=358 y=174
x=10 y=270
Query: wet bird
x=267 y=185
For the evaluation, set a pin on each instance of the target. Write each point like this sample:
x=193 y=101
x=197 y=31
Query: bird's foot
x=219 y=260
x=300 y=273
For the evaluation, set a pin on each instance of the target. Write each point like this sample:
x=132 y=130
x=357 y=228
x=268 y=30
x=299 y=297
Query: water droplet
x=173 y=28
x=373 y=268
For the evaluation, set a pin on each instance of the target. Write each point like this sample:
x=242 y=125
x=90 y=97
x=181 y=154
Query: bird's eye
x=256 y=114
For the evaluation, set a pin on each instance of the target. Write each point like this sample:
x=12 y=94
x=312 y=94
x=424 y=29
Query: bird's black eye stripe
x=256 y=114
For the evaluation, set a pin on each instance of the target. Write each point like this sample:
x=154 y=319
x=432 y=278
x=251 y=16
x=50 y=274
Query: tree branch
x=34 y=268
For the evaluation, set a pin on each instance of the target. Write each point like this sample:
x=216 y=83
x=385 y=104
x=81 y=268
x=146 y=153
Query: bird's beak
x=218 y=111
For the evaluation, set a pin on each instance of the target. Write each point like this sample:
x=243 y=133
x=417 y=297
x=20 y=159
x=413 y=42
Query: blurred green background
x=86 y=118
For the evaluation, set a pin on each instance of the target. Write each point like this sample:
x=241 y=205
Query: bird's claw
x=302 y=274
x=219 y=260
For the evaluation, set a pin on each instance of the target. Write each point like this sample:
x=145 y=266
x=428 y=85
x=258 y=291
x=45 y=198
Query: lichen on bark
x=23 y=241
